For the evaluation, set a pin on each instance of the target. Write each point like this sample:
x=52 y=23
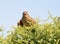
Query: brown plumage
x=20 y=23
x=26 y=20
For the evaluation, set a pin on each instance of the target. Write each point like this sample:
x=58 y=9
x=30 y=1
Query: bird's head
x=25 y=14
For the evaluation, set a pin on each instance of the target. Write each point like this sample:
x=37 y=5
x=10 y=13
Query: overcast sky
x=11 y=10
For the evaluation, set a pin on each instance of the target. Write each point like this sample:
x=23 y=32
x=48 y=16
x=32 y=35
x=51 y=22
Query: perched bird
x=26 y=20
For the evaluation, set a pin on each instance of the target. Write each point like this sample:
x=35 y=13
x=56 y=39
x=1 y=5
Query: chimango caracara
x=26 y=20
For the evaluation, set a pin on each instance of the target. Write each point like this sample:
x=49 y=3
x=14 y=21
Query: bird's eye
x=25 y=14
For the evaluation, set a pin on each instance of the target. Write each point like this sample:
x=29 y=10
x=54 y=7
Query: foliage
x=48 y=33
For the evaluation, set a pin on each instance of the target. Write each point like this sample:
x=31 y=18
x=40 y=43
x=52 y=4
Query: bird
x=26 y=20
